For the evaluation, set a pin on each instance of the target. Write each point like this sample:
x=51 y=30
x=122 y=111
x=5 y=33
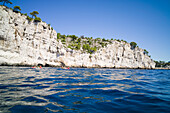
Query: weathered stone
x=30 y=43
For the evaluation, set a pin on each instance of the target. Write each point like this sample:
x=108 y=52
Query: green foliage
x=93 y=49
x=86 y=43
x=78 y=46
x=37 y=19
x=110 y=42
x=25 y=14
x=89 y=41
x=86 y=47
x=69 y=47
x=34 y=14
x=118 y=40
x=133 y=45
x=73 y=37
x=124 y=41
x=102 y=44
x=161 y=63
x=98 y=38
x=17 y=8
x=29 y=18
x=145 y=51
x=6 y=2
x=79 y=40
x=74 y=46
x=82 y=36
x=58 y=35
x=63 y=36
x=63 y=40
x=104 y=39
x=89 y=49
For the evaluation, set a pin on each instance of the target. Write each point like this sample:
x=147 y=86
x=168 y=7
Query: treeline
x=88 y=44
x=162 y=64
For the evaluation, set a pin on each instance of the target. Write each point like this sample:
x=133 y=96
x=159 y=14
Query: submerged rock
x=32 y=43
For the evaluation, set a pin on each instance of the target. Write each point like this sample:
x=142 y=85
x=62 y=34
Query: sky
x=146 y=22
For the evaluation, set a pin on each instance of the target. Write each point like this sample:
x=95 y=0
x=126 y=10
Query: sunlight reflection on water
x=82 y=90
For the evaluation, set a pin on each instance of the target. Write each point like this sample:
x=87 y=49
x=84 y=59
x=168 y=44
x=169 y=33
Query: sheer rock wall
x=30 y=43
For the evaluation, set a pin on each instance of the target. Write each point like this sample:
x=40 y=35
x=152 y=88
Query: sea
x=83 y=90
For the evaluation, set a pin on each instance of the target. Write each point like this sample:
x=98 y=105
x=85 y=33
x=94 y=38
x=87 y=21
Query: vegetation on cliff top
x=17 y=9
x=34 y=14
x=162 y=64
x=6 y=2
x=86 y=44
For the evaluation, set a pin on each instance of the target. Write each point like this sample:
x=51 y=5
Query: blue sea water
x=81 y=90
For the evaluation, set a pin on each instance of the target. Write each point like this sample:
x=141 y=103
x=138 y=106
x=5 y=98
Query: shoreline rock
x=156 y=68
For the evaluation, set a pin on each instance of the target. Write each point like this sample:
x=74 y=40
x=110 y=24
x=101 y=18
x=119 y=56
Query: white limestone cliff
x=30 y=43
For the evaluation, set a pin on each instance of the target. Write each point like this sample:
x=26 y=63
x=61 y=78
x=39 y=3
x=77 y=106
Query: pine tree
x=34 y=14
x=16 y=8
x=6 y=1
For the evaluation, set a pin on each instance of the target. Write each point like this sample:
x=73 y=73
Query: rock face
x=30 y=43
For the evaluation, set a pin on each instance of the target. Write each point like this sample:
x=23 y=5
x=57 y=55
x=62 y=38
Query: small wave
x=83 y=90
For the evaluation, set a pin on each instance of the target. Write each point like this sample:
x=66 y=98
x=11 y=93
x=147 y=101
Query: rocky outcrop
x=32 y=43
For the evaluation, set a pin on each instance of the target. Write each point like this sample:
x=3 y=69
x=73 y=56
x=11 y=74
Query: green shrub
x=25 y=14
x=98 y=38
x=73 y=37
x=70 y=47
x=110 y=42
x=78 y=46
x=124 y=41
x=104 y=39
x=102 y=44
x=37 y=19
x=29 y=18
x=79 y=40
x=82 y=36
x=162 y=63
x=89 y=41
x=118 y=40
x=63 y=36
x=133 y=45
x=86 y=47
x=34 y=14
x=17 y=8
x=58 y=35
x=93 y=49
x=145 y=51
x=63 y=40
x=6 y=1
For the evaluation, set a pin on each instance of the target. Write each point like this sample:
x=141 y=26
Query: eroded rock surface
x=29 y=43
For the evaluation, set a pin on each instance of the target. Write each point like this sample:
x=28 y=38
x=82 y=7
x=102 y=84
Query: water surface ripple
x=78 y=90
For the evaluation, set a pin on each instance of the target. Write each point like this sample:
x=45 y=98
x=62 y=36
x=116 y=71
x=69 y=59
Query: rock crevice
x=30 y=43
